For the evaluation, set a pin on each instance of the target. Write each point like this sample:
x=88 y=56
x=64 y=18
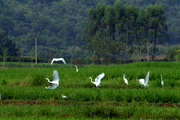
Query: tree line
x=115 y=31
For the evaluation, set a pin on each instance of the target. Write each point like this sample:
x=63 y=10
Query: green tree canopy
x=7 y=43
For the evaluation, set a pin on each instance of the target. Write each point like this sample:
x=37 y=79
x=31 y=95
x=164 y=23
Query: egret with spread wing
x=55 y=82
x=58 y=59
x=98 y=79
x=144 y=81
x=125 y=80
x=162 y=82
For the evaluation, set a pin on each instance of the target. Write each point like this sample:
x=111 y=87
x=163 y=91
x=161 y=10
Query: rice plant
x=84 y=99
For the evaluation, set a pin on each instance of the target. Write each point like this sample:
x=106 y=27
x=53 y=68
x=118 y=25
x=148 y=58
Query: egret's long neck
x=91 y=79
x=124 y=76
x=48 y=79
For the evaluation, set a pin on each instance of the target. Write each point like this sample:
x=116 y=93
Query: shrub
x=4 y=82
x=37 y=79
x=78 y=62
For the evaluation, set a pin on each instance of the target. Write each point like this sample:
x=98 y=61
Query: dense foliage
x=58 y=24
x=109 y=29
x=7 y=45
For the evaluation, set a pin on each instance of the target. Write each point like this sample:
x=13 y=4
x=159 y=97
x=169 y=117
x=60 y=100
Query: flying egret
x=162 y=82
x=144 y=81
x=63 y=96
x=58 y=59
x=55 y=82
x=125 y=80
x=76 y=68
x=98 y=79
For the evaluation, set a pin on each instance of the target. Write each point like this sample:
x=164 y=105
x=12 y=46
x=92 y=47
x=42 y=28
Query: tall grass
x=92 y=94
x=167 y=69
x=113 y=74
x=84 y=111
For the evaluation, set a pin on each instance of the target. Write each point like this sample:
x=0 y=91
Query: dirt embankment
x=66 y=102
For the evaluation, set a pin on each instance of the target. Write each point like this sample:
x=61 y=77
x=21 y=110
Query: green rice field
x=24 y=96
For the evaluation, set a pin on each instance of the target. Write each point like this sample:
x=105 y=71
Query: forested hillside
x=58 y=25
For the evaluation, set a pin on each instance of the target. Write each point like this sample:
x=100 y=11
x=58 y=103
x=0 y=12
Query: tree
x=32 y=56
x=109 y=30
x=140 y=22
x=102 y=45
x=129 y=18
x=7 y=43
x=148 y=19
x=4 y=51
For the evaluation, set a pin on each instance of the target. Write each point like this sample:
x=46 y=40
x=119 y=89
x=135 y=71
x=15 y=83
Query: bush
x=78 y=62
x=37 y=80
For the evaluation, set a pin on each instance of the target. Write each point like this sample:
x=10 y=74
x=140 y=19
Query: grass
x=114 y=99
x=133 y=111
x=91 y=94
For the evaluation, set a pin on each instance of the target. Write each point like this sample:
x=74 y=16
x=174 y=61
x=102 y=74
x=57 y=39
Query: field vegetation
x=23 y=92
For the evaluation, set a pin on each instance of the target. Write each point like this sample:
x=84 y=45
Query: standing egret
x=58 y=59
x=144 y=81
x=76 y=68
x=125 y=80
x=55 y=82
x=98 y=80
x=162 y=82
x=63 y=96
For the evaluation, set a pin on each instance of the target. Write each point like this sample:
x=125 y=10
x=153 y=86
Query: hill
x=58 y=24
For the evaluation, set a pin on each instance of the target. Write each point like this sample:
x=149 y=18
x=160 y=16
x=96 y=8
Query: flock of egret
x=55 y=82
x=143 y=81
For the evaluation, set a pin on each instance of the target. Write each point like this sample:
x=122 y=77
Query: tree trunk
x=157 y=41
x=153 y=41
x=4 y=61
x=106 y=60
x=148 y=41
x=134 y=45
x=126 y=42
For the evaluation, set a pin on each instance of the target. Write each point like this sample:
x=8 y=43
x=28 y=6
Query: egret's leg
x=147 y=89
x=97 y=89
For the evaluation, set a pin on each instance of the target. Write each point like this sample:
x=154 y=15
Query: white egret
x=76 y=68
x=141 y=81
x=125 y=80
x=162 y=82
x=144 y=81
x=58 y=59
x=98 y=79
x=55 y=82
x=0 y=96
x=63 y=96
